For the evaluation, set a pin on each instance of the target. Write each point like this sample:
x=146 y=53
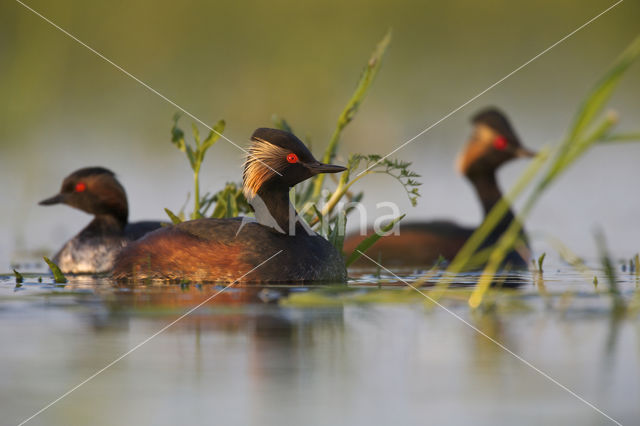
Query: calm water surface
x=373 y=353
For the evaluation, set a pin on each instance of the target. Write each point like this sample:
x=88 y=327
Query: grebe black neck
x=104 y=224
x=492 y=143
x=273 y=208
x=487 y=189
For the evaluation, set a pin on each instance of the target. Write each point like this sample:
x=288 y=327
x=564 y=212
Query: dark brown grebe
x=228 y=250
x=95 y=190
x=492 y=143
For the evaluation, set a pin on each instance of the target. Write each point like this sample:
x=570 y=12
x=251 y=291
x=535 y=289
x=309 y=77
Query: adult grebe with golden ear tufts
x=229 y=250
x=492 y=144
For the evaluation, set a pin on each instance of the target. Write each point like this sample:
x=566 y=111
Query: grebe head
x=492 y=143
x=276 y=156
x=94 y=190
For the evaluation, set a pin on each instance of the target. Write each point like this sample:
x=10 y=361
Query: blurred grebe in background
x=96 y=190
x=493 y=143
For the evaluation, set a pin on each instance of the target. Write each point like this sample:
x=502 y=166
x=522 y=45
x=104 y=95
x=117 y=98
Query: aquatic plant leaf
x=196 y=134
x=232 y=208
x=281 y=123
x=368 y=242
x=214 y=135
x=177 y=135
x=336 y=235
x=621 y=137
x=541 y=261
x=397 y=169
x=191 y=156
x=310 y=299
x=174 y=219
x=241 y=200
x=58 y=276
x=219 y=210
x=366 y=79
x=304 y=193
x=619 y=304
x=600 y=94
x=348 y=113
x=230 y=202
x=195 y=156
x=221 y=199
x=322 y=229
x=373 y=164
x=19 y=277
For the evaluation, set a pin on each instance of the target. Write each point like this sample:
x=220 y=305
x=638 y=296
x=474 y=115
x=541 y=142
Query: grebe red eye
x=80 y=187
x=292 y=158
x=500 y=143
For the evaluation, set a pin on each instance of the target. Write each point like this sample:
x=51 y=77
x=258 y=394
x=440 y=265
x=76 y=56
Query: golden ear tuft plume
x=261 y=164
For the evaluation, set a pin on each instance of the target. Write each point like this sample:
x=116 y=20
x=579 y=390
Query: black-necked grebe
x=228 y=250
x=492 y=143
x=96 y=191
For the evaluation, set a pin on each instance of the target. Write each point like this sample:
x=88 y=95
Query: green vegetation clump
x=58 y=276
x=19 y=278
x=195 y=154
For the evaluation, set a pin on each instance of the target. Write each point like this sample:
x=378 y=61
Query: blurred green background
x=62 y=107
